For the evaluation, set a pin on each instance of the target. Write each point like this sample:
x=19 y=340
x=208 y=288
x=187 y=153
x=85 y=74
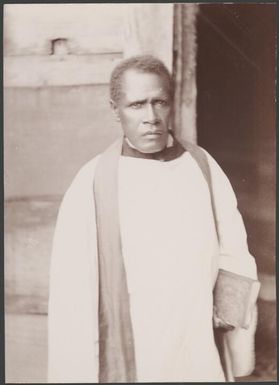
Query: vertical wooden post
x=148 y=29
x=184 y=70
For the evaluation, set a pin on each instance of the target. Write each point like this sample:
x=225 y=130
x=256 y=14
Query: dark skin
x=144 y=110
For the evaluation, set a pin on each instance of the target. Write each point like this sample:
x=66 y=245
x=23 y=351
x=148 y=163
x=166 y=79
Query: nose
x=150 y=114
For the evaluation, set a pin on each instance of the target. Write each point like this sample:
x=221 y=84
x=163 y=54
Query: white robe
x=171 y=258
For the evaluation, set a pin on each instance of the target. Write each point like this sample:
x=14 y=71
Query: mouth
x=151 y=133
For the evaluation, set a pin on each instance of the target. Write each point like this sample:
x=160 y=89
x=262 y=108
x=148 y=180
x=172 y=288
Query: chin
x=149 y=149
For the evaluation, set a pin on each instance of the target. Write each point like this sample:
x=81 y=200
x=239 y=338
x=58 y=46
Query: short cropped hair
x=140 y=63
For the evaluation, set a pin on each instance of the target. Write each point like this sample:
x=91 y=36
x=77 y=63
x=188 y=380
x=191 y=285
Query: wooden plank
x=89 y=28
x=148 y=29
x=29 y=227
x=56 y=70
x=50 y=133
x=25 y=348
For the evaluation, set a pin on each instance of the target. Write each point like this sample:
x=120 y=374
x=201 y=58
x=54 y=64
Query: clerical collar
x=170 y=152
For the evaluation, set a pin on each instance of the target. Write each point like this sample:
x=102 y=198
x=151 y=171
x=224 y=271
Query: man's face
x=144 y=110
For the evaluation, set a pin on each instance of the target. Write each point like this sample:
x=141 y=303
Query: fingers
x=220 y=323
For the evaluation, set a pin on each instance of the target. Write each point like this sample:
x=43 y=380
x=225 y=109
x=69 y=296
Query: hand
x=220 y=323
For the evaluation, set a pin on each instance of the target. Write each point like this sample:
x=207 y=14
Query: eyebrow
x=142 y=101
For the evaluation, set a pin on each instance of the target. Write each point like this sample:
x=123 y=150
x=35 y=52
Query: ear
x=115 y=110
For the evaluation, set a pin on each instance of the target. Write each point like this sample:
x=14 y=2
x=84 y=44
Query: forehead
x=138 y=85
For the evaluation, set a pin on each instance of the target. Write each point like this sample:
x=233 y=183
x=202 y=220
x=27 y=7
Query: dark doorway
x=236 y=110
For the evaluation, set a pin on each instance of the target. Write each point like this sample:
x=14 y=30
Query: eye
x=161 y=102
x=136 y=105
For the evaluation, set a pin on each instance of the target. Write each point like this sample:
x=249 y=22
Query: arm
x=234 y=253
x=236 y=259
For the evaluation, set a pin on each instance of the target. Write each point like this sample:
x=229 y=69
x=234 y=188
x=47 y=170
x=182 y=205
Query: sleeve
x=73 y=294
x=234 y=258
x=234 y=253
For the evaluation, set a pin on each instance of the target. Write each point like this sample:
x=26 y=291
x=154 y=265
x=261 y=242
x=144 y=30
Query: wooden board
x=25 y=348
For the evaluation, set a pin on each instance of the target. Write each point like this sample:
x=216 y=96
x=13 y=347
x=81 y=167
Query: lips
x=152 y=133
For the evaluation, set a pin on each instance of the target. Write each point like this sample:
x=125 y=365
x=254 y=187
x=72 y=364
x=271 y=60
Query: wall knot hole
x=60 y=47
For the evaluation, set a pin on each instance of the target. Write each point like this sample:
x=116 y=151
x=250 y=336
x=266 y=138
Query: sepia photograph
x=139 y=192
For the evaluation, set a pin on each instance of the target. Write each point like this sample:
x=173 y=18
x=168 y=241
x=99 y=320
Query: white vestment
x=171 y=255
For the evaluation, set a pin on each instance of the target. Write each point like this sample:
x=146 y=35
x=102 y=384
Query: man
x=141 y=235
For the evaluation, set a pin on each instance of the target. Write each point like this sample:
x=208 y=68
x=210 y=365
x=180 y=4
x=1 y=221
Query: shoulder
x=221 y=183
x=198 y=151
x=214 y=166
x=82 y=182
x=202 y=156
x=209 y=166
x=87 y=171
